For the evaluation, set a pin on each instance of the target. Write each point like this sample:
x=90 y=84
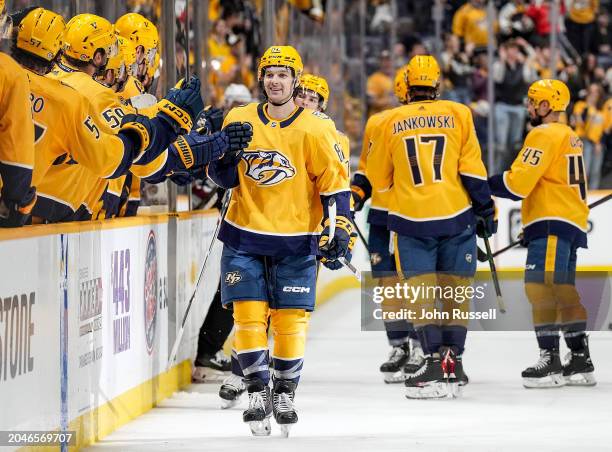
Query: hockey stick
x=362 y=237
x=181 y=331
x=500 y=301
x=331 y=212
x=482 y=256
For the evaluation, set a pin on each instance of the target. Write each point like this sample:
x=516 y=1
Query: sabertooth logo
x=268 y=167
x=232 y=278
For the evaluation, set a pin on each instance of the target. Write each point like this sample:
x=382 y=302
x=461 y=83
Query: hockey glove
x=361 y=190
x=486 y=221
x=336 y=264
x=339 y=244
x=182 y=105
x=195 y=149
x=14 y=215
x=212 y=119
x=358 y=198
x=239 y=135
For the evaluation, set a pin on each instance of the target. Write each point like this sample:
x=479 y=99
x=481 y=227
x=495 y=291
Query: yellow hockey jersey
x=379 y=204
x=427 y=156
x=59 y=182
x=16 y=132
x=548 y=176
x=290 y=168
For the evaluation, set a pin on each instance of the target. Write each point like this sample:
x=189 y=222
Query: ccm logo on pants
x=296 y=289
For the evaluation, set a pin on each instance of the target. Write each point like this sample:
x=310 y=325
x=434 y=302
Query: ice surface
x=344 y=405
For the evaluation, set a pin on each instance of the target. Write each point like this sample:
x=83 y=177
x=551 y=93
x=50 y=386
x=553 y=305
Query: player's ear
x=544 y=107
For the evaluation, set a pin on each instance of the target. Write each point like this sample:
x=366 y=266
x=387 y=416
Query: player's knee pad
x=251 y=322
x=568 y=303
x=543 y=304
x=289 y=328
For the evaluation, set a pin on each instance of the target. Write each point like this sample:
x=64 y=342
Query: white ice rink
x=343 y=403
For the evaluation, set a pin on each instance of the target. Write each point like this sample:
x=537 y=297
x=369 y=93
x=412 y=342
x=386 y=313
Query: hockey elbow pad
x=199 y=150
x=182 y=105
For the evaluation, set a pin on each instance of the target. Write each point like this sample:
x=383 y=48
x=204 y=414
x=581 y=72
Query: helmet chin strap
x=539 y=120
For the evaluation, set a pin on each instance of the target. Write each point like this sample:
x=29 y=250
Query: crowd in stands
x=522 y=44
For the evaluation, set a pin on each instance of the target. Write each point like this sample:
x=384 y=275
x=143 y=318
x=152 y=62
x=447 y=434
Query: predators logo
x=268 y=167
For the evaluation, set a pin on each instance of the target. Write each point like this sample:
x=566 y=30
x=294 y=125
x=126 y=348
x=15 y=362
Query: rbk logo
x=268 y=167
x=232 y=278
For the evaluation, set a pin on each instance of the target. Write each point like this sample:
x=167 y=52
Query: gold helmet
x=86 y=33
x=555 y=92
x=125 y=60
x=141 y=31
x=423 y=70
x=285 y=56
x=400 y=85
x=5 y=21
x=39 y=33
x=318 y=85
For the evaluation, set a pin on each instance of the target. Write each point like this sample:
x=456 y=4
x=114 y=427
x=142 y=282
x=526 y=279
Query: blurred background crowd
x=490 y=52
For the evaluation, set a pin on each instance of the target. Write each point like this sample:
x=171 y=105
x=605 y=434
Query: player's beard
x=537 y=121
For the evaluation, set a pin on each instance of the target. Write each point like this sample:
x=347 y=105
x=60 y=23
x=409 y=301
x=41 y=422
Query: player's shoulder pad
x=238 y=113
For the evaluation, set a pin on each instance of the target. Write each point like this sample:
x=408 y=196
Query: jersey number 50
x=412 y=150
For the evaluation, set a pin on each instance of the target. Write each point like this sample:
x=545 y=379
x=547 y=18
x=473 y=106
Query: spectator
x=539 y=12
x=380 y=86
x=588 y=121
x=580 y=24
x=457 y=70
x=512 y=73
x=513 y=22
x=470 y=23
x=603 y=38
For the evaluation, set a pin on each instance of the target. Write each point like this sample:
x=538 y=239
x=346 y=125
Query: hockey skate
x=428 y=381
x=416 y=358
x=578 y=369
x=230 y=391
x=210 y=368
x=392 y=368
x=282 y=403
x=260 y=407
x=546 y=373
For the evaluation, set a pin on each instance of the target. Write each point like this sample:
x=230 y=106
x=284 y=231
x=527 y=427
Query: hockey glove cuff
x=486 y=221
x=336 y=246
x=199 y=150
x=359 y=197
x=14 y=215
x=182 y=105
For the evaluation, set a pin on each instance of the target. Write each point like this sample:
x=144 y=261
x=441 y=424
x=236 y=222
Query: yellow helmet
x=318 y=85
x=423 y=70
x=86 y=33
x=39 y=33
x=554 y=91
x=285 y=56
x=400 y=85
x=141 y=31
x=125 y=58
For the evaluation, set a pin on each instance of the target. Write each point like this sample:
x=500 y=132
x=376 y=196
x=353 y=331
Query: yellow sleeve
x=532 y=162
x=91 y=144
x=459 y=22
x=470 y=160
x=365 y=148
x=595 y=125
x=607 y=116
x=379 y=163
x=327 y=163
x=16 y=133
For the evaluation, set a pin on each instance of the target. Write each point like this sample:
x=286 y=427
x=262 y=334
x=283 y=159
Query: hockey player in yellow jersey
x=78 y=148
x=548 y=176
x=406 y=355
x=282 y=185
x=17 y=197
x=427 y=156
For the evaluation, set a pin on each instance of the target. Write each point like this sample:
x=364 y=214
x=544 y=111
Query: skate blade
x=582 y=379
x=394 y=377
x=227 y=404
x=437 y=390
x=454 y=389
x=285 y=429
x=550 y=381
x=261 y=428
